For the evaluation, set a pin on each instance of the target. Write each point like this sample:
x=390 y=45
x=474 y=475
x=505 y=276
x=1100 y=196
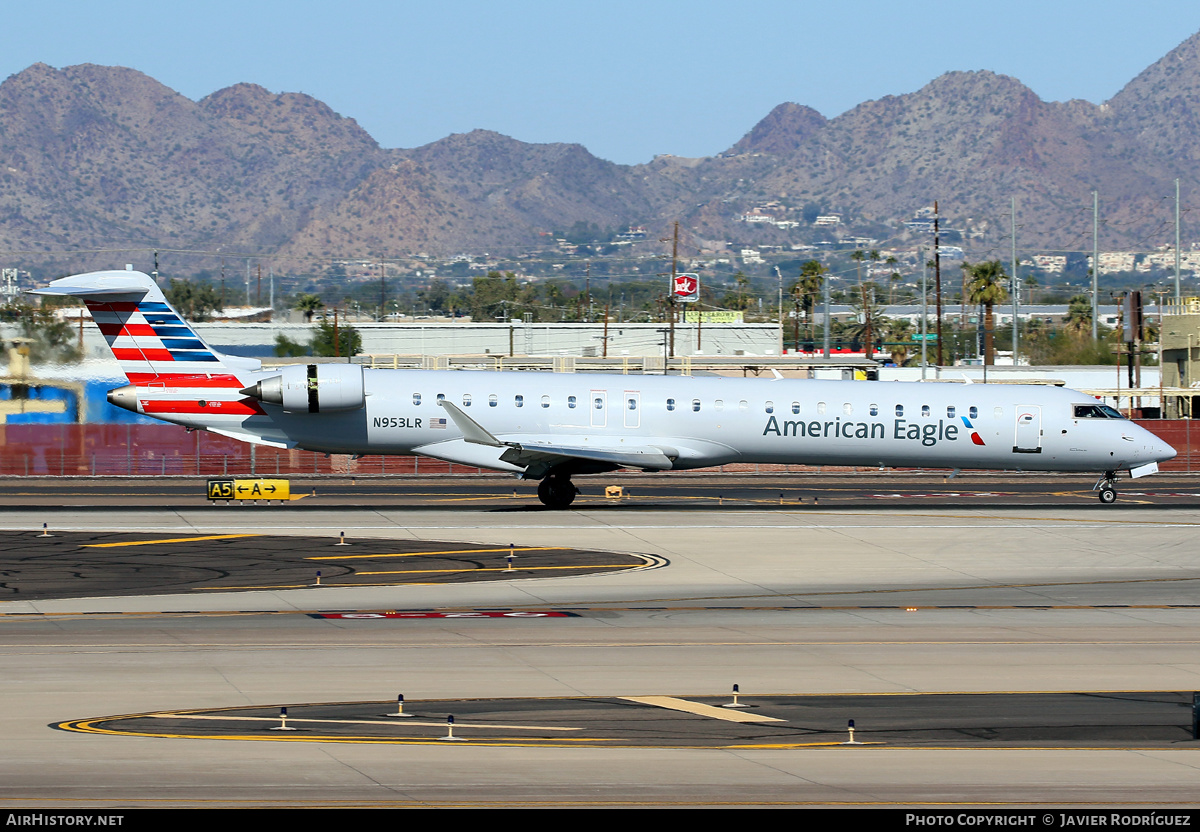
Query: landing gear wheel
x=1108 y=494
x=556 y=492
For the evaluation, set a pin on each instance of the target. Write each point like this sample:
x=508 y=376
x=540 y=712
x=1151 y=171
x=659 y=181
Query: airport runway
x=783 y=601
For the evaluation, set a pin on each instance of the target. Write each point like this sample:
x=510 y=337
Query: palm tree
x=893 y=279
x=808 y=288
x=985 y=286
x=309 y=304
x=1079 y=316
x=868 y=320
x=900 y=332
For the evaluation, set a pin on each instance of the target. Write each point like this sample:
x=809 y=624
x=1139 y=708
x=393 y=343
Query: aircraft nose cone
x=1161 y=452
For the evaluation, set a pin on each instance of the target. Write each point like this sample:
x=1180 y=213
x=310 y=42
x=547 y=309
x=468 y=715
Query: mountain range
x=107 y=157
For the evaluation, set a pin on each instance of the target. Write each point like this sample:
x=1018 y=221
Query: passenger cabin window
x=441 y=397
x=492 y=400
x=519 y=400
x=670 y=404
x=848 y=409
x=899 y=410
x=769 y=407
x=571 y=401
x=924 y=410
x=820 y=408
x=417 y=399
x=998 y=412
x=874 y=410
x=949 y=411
x=598 y=403
x=545 y=401
x=796 y=407
x=631 y=403
x=973 y=412
x=743 y=405
x=718 y=405
x=695 y=405
x=466 y=399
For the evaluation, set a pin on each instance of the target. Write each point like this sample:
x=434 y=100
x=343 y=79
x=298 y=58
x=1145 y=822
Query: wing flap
x=647 y=457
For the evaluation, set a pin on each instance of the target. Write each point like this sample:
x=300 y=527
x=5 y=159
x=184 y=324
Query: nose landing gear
x=1106 y=487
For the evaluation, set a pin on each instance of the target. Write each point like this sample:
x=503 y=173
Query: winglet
x=472 y=431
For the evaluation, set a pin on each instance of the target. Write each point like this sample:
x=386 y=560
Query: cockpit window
x=1096 y=411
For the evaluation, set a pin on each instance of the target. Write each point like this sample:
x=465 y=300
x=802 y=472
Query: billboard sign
x=687 y=288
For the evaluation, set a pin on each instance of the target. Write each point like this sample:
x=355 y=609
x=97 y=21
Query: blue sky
x=628 y=80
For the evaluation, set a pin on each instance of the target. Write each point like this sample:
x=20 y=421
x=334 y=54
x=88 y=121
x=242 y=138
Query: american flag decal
x=437 y=424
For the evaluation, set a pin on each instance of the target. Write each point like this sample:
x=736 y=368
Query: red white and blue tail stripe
x=149 y=338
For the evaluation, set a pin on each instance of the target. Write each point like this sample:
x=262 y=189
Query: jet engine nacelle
x=313 y=388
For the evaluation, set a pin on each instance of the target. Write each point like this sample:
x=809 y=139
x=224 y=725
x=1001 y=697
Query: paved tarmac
x=674 y=491
x=784 y=602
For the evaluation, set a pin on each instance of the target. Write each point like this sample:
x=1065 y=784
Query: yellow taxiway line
x=446 y=552
x=167 y=540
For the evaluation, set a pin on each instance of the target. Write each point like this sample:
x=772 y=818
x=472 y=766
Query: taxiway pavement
x=873 y=600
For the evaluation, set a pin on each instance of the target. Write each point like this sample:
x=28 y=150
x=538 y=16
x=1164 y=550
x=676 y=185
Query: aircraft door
x=631 y=405
x=598 y=407
x=1028 y=436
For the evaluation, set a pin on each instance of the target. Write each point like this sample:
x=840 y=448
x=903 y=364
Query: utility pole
x=1178 y=299
x=1096 y=266
x=671 y=290
x=780 y=275
x=382 y=289
x=1016 y=285
x=924 y=311
x=867 y=321
x=258 y=294
x=937 y=278
x=605 y=339
x=825 y=286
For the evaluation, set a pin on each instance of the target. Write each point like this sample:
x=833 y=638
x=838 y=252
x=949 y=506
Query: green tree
x=285 y=347
x=51 y=339
x=869 y=321
x=807 y=289
x=195 y=301
x=985 y=286
x=899 y=333
x=1079 y=316
x=309 y=304
x=893 y=279
x=348 y=343
x=858 y=255
x=740 y=300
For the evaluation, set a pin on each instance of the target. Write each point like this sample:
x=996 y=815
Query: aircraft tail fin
x=147 y=336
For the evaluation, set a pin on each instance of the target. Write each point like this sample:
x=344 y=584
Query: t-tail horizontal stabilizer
x=147 y=336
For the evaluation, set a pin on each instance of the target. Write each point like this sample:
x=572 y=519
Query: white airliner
x=551 y=427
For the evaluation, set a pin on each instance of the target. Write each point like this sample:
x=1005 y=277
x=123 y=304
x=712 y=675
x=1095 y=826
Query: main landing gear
x=557 y=491
x=1106 y=486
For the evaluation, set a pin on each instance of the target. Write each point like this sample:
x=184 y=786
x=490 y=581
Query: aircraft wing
x=531 y=453
x=537 y=455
